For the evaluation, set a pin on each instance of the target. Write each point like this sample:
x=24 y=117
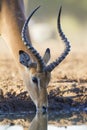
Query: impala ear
x=47 y=55
x=25 y=60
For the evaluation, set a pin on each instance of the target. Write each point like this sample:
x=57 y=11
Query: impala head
x=37 y=79
x=38 y=73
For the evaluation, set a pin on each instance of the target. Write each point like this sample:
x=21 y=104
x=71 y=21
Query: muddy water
x=50 y=121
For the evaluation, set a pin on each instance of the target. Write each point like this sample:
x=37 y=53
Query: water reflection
x=8 y=127
x=39 y=122
x=82 y=127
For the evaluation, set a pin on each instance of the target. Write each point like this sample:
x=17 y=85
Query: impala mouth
x=42 y=110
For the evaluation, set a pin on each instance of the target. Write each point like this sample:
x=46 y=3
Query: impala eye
x=35 y=80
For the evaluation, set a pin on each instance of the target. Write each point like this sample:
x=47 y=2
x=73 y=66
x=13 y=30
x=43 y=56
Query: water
x=50 y=121
x=50 y=127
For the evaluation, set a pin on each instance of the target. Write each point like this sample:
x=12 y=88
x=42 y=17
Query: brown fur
x=12 y=18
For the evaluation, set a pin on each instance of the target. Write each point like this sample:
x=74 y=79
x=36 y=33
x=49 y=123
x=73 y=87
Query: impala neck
x=12 y=18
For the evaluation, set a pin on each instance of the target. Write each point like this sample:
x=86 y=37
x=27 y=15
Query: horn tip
x=48 y=50
x=60 y=9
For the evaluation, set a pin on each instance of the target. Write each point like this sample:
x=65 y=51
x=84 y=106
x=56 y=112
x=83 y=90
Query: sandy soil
x=67 y=88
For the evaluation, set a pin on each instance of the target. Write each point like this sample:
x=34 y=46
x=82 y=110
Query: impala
x=34 y=69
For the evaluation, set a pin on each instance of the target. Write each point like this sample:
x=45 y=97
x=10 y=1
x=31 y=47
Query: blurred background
x=43 y=25
x=73 y=20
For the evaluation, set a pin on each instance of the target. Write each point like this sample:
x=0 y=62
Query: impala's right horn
x=52 y=65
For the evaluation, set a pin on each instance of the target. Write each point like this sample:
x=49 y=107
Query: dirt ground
x=67 y=90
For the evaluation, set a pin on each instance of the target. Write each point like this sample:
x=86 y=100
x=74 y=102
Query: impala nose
x=44 y=109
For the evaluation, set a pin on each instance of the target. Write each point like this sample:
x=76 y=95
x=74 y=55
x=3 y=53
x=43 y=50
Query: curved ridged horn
x=52 y=65
x=27 y=43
